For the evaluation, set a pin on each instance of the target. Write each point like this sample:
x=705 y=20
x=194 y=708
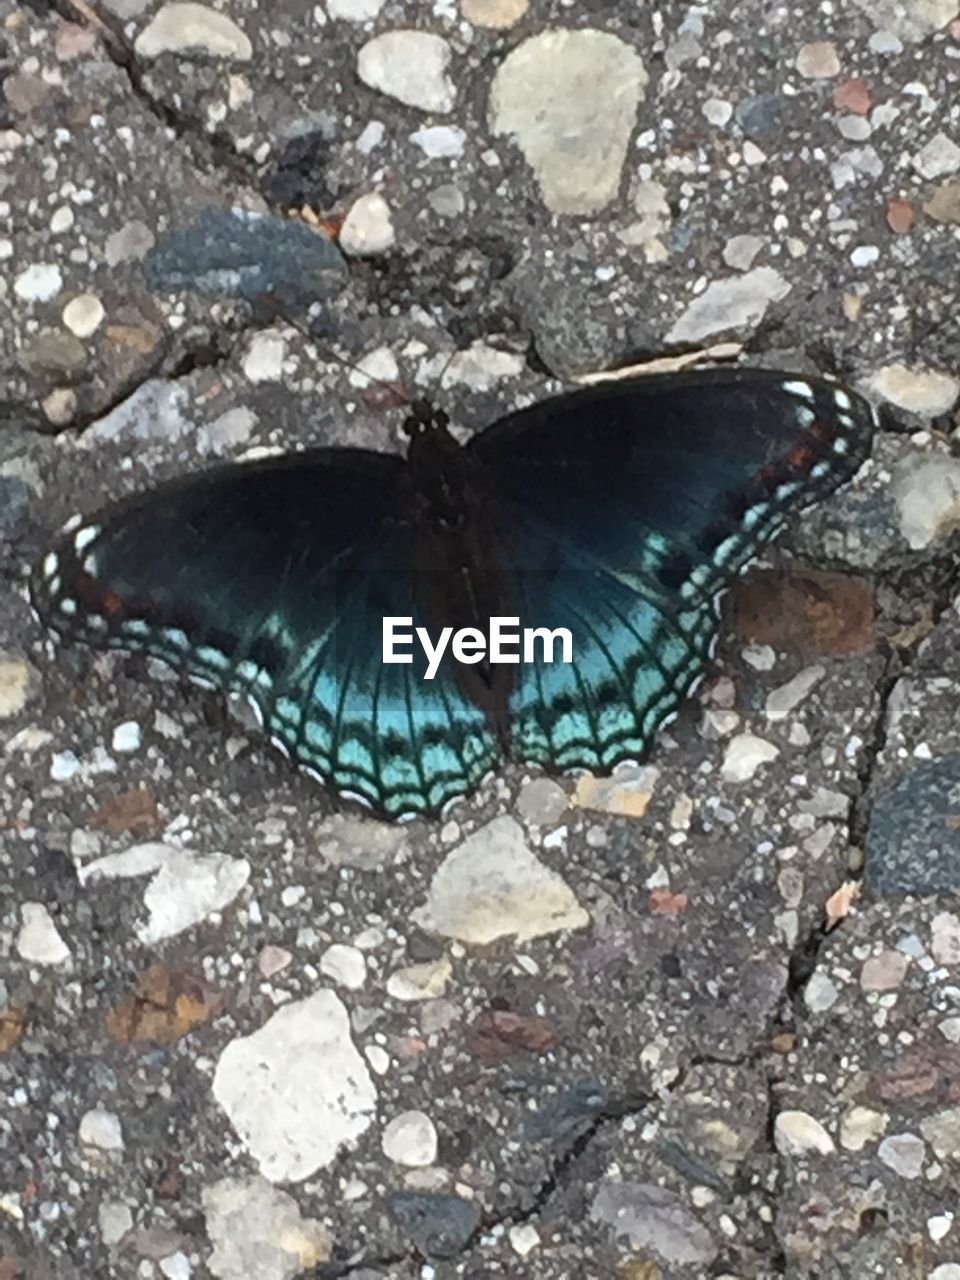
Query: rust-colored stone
x=805 y=611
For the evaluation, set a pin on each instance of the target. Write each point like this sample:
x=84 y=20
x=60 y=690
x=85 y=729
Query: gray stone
x=656 y=1219
x=739 y=302
x=184 y=27
x=926 y=490
x=411 y=66
x=912 y=844
x=439 y=1226
x=575 y=139
x=909 y=20
x=257 y=1230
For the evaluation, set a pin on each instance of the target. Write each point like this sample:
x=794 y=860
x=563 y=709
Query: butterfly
x=619 y=512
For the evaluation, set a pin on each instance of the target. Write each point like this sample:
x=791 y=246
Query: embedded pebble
x=820 y=993
x=83 y=315
x=926 y=491
x=925 y=392
x=410 y=66
x=38 y=940
x=126 y=737
x=265 y=355
x=153 y=412
x=938 y=159
x=102 y=1129
x=944 y=203
x=797 y=1133
x=16 y=686
x=256 y=1230
x=782 y=701
x=297 y=1090
x=903 y=1153
x=524 y=1238
x=740 y=251
x=424 y=981
x=184 y=27
x=496 y=15
x=884 y=972
x=61 y=220
x=945 y=938
x=628 y=791
x=654 y=1218
x=912 y=845
x=410 y=1139
x=481 y=367
x=717 y=111
x=39 y=283
x=64 y=766
x=942 y=1131
x=541 y=802
x=818 y=61
x=492 y=885
x=60 y=406
x=368 y=227
x=131 y=243
x=185 y=887
x=744 y=755
x=739 y=302
x=861 y=1125
x=911 y=22
x=544 y=94
x=354 y=10
x=115 y=1220
x=345 y=965
x=439 y=141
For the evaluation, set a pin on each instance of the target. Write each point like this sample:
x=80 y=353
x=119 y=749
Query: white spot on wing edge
x=85 y=537
x=795 y=387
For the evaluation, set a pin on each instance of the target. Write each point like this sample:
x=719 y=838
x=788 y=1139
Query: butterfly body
x=617 y=513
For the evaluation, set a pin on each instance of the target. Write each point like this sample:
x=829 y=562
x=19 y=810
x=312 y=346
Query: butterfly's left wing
x=270 y=580
x=625 y=509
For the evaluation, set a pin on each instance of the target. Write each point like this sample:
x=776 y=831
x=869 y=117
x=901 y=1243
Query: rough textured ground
x=579 y=1030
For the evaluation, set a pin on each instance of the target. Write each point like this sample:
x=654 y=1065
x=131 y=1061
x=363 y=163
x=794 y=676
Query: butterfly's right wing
x=271 y=580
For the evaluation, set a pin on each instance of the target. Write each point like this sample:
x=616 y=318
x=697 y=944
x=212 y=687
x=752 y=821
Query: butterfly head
x=423 y=417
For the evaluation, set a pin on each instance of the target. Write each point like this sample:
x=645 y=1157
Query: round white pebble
x=83 y=315
x=410 y=1139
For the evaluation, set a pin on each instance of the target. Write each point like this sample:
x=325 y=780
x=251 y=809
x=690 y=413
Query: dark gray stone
x=440 y=1226
x=238 y=254
x=913 y=844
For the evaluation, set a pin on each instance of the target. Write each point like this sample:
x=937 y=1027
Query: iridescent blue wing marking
x=625 y=510
x=270 y=580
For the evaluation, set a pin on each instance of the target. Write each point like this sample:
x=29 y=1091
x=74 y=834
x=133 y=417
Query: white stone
x=864 y=255
x=938 y=159
x=903 y=1153
x=717 y=111
x=64 y=766
x=61 y=220
x=926 y=491
x=820 y=994
x=410 y=66
x=257 y=1232
x=38 y=940
x=354 y=10
x=176 y=1266
x=744 y=756
x=39 y=283
x=424 y=981
x=740 y=251
x=909 y=20
x=126 y=737
x=627 y=791
x=185 y=27
x=115 y=1220
x=185 y=888
x=410 y=1139
x=16 y=684
x=797 y=1133
x=155 y=411
x=759 y=656
x=492 y=886
x=818 y=61
x=739 y=302
x=493 y=14
x=782 y=701
x=297 y=1090
x=84 y=315
x=949 y=1028
x=524 y=1238
x=264 y=359
x=926 y=392
x=102 y=1129
x=939 y=1226
x=439 y=141
x=545 y=94
x=379 y=365
x=345 y=965
x=368 y=227
x=861 y=1125
x=945 y=1271
x=481 y=367
x=945 y=938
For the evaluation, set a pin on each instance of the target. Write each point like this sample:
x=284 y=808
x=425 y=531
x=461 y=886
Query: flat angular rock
x=574 y=138
x=193 y=28
x=738 y=302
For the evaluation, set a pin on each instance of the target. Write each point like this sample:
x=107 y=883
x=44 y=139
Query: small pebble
x=884 y=972
x=717 y=111
x=818 y=61
x=439 y=141
x=797 y=1133
x=60 y=406
x=900 y=215
x=744 y=755
x=102 y=1129
x=354 y=10
x=264 y=359
x=410 y=1139
x=495 y=15
x=39 y=941
x=186 y=27
x=345 y=965
x=938 y=159
x=83 y=315
x=368 y=227
x=39 y=283
x=853 y=95
x=819 y=994
x=61 y=220
x=410 y=66
x=903 y=1153
x=864 y=255
x=740 y=251
x=861 y=1125
x=126 y=737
